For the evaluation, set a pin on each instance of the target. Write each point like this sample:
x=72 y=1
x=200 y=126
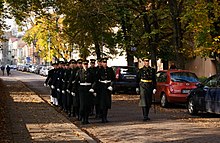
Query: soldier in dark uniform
x=58 y=83
x=147 y=82
x=92 y=69
x=97 y=89
x=65 y=82
x=49 y=81
x=79 y=66
x=71 y=91
x=105 y=77
x=86 y=80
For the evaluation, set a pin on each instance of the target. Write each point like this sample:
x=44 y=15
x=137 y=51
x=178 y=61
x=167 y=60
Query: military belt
x=105 y=81
x=143 y=80
x=85 y=83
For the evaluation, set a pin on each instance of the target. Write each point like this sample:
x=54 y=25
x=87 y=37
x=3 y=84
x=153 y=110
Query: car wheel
x=163 y=100
x=191 y=107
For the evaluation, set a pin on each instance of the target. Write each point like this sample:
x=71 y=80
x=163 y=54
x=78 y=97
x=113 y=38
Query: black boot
x=104 y=116
x=145 y=113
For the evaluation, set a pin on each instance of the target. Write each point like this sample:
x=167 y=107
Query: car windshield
x=212 y=81
x=183 y=77
x=128 y=70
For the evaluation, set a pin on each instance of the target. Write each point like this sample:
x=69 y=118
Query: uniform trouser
x=145 y=98
x=69 y=102
x=85 y=98
x=59 y=98
x=64 y=101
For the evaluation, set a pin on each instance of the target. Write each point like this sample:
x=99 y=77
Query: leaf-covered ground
x=5 y=130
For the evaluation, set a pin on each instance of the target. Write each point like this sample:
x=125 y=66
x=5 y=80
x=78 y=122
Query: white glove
x=58 y=89
x=91 y=90
x=63 y=91
x=68 y=91
x=73 y=94
x=94 y=94
x=45 y=84
x=52 y=87
x=137 y=90
x=154 y=91
x=110 y=88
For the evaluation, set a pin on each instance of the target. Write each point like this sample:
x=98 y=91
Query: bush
x=202 y=78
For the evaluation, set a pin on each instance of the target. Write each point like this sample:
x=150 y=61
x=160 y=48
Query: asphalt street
x=167 y=125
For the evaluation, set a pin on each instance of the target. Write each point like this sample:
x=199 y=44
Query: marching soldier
x=147 y=82
x=58 y=83
x=79 y=66
x=86 y=80
x=92 y=69
x=97 y=97
x=105 y=77
x=65 y=82
x=71 y=91
x=49 y=81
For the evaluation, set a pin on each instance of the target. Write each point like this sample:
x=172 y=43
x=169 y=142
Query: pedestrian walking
x=3 y=70
x=8 y=70
x=147 y=82
x=86 y=81
x=105 y=76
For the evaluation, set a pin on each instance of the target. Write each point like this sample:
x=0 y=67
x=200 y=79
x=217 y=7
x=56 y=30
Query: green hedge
x=202 y=78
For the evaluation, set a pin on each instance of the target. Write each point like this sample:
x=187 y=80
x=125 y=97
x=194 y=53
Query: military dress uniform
x=147 y=82
x=97 y=89
x=71 y=91
x=49 y=81
x=65 y=81
x=86 y=81
x=58 y=83
x=93 y=70
x=105 y=77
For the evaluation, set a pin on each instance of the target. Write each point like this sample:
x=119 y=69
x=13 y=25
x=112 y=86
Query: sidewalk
x=35 y=121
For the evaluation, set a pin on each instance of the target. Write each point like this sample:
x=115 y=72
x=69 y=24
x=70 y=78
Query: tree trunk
x=97 y=49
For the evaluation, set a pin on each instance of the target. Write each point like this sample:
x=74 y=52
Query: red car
x=173 y=86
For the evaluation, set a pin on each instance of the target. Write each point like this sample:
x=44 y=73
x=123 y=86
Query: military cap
x=99 y=60
x=92 y=60
x=145 y=59
x=72 y=61
x=61 y=62
x=67 y=63
x=85 y=61
x=79 y=61
x=53 y=64
x=104 y=60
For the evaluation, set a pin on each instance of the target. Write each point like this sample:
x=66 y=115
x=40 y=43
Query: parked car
x=125 y=79
x=173 y=86
x=38 y=68
x=206 y=97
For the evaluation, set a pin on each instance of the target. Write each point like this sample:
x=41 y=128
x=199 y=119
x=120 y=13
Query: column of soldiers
x=78 y=89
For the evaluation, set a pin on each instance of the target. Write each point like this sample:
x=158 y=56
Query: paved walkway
x=35 y=121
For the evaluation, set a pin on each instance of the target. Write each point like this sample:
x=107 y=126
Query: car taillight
x=171 y=89
x=117 y=73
